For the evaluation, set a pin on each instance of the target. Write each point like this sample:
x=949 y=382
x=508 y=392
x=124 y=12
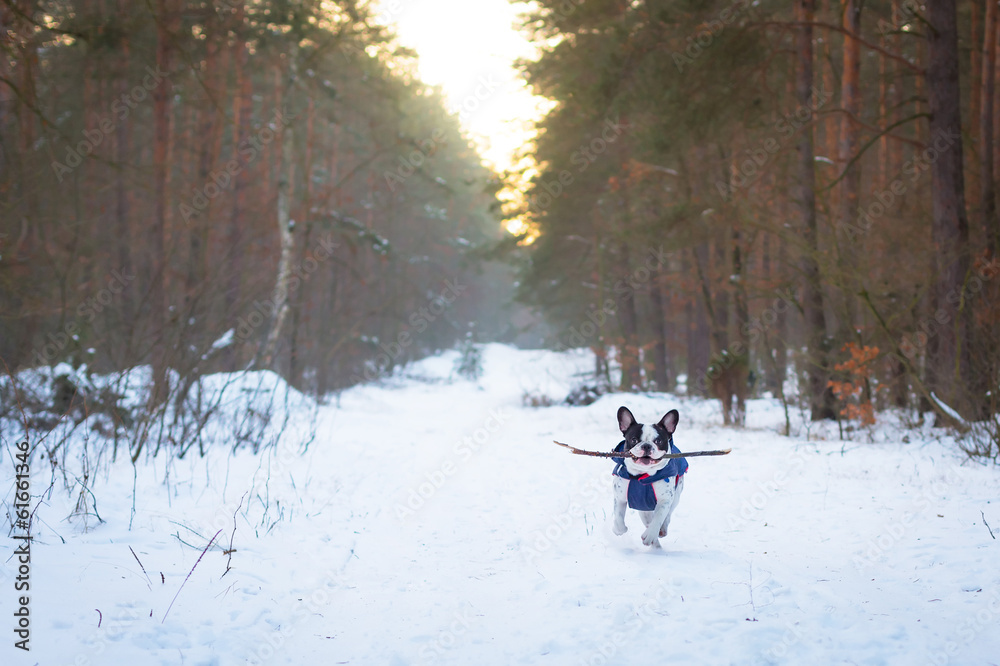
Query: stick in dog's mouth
x=629 y=454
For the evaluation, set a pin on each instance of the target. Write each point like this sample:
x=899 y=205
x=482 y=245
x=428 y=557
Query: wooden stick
x=626 y=454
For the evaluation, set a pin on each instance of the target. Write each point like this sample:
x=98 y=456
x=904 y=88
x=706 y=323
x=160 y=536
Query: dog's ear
x=625 y=419
x=669 y=421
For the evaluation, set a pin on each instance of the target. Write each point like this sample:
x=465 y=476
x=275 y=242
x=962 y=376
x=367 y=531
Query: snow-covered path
x=433 y=522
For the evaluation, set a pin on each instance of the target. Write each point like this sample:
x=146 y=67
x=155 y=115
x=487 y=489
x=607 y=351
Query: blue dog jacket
x=641 y=495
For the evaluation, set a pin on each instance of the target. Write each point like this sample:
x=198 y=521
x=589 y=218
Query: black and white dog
x=650 y=483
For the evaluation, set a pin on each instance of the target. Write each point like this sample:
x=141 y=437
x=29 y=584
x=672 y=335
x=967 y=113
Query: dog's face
x=648 y=442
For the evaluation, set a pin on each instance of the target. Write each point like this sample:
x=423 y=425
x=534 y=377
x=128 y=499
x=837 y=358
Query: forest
x=818 y=184
x=206 y=186
x=728 y=198
x=308 y=306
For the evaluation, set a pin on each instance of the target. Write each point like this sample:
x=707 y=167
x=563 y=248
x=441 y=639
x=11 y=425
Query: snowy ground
x=432 y=521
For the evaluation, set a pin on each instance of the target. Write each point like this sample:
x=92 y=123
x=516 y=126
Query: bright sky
x=468 y=47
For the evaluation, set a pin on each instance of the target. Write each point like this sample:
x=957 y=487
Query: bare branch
x=837 y=28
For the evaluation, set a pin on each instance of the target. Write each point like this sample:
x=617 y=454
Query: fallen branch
x=950 y=411
x=986 y=523
x=627 y=454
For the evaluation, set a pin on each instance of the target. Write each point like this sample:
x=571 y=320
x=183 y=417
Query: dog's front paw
x=650 y=538
x=619 y=528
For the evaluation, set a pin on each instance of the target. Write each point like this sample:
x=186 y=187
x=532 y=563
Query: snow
x=225 y=340
x=431 y=520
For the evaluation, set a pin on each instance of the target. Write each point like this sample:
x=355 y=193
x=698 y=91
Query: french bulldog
x=648 y=483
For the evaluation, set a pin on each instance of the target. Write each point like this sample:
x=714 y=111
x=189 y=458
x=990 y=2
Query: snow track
x=432 y=521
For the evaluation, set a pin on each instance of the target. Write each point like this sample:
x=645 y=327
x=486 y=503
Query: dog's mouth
x=647 y=460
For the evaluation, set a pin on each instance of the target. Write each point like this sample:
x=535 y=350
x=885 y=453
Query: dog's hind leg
x=621 y=503
x=677 y=498
x=647 y=518
x=667 y=496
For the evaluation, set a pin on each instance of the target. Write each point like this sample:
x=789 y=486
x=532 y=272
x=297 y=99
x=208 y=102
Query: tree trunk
x=992 y=240
x=820 y=395
x=711 y=299
x=896 y=96
x=883 y=114
x=30 y=296
x=771 y=380
x=122 y=211
x=629 y=353
x=950 y=230
x=775 y=335
x=661 y=375
x=973 y=191
x=242 y=107
x=827 y=131
x=698 y=340
x=850 y=184
x=296 y=337
x=720 y=305
x=329 y=309
x=161 y=171
x=285 y=180
x=987 y=188
x=198 y=224
x=741 y=308
x=742 y=312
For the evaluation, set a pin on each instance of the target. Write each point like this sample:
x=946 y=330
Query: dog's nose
x=647 y=448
